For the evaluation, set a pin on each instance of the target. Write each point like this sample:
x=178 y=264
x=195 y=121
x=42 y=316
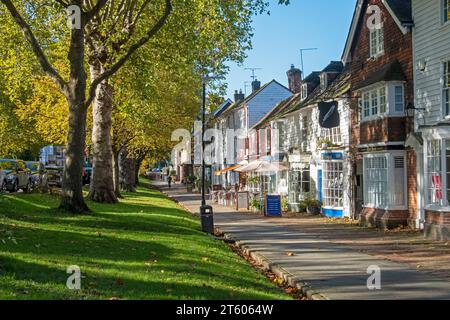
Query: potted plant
x=285 y=204
x=313 y=206
x=255 y=205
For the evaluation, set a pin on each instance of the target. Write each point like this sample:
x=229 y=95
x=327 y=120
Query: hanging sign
x=329 y=115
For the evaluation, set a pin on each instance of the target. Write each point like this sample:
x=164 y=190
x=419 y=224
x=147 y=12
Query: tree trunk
x=72 y=186
x=102 y=183
x=127 y=172
x=116 y=173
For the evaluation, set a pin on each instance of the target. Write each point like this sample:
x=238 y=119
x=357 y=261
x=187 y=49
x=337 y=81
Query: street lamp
x=206 y=211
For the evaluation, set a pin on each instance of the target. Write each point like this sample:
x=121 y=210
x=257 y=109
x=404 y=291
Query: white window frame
x=445 y=7
x=444 y=204
x=390 y=156
x=331 y=192
x=304 y=91
x=376 y=42
x=390 y=102
x=446 y=88
x=333 y=135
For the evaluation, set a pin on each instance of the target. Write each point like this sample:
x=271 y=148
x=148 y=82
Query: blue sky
x=278 y=38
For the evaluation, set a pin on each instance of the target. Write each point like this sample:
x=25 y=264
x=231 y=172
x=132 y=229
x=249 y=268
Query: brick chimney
x=256 y=85
x=295 y=79
x=238 y=96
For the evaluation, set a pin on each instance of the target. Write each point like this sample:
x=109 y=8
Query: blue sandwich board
x=273 y=206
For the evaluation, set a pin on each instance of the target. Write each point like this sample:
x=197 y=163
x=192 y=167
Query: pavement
x=322 y=267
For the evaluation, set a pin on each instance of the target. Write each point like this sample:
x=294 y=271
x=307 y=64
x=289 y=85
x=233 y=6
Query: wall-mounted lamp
x=421 y=65
x=411 y=110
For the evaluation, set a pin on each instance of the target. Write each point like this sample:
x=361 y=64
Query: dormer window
x=304 y=91
x=376 y=42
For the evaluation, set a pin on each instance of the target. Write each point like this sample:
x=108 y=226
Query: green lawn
x=144 y=248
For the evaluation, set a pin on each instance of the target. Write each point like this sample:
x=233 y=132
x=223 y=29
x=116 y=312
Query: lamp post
x=206 y=211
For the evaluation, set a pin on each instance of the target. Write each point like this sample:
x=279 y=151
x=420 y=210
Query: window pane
x=446 y=10
x=446 y=88
x=383 y=100
x=434 y=173
x=374 y=96
x=332 y=184
x=376 y=181
x=366 y=102
x=399 y=98
x=380 y=41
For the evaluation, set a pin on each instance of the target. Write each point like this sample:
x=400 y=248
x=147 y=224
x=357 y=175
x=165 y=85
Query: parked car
x=4 y=171
x=17 y=175
x=35 y=171
x=54 y=176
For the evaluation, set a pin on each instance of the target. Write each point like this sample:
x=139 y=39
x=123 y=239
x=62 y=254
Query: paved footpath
x=321 y=268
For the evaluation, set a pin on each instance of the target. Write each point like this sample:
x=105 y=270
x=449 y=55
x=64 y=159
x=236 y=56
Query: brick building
x=378 y=53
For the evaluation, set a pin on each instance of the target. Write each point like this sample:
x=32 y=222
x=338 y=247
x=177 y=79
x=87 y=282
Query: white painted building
x=431 y=51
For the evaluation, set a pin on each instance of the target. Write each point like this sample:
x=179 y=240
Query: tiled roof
x=390 y=72
x=339 y=87
x=250 y=97
x=402 y=10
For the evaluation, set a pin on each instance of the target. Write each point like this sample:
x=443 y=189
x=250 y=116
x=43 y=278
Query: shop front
x=334 y=185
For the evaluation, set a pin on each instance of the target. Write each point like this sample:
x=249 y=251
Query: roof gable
x=399 y=10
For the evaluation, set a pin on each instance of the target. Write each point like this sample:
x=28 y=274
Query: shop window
x=333 y=184
x=376 y=181
x=434 y=172
x=300 y=183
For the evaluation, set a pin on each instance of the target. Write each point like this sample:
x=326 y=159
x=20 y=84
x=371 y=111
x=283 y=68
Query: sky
x=278 y=38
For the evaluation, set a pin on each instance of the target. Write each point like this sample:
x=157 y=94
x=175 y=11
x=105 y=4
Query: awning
x=252 y=166
x=271 y=167
x=218 y=173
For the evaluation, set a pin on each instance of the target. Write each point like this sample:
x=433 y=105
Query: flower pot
x=313 y=210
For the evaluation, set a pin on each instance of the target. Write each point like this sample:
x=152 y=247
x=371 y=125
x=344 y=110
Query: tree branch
x=40 y=55
x=88 y=16
x=110 y=72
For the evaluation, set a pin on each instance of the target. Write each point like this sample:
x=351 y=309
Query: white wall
x=431 y=42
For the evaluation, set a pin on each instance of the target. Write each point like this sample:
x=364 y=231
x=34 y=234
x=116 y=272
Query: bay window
x=385 y=99
x=376 y=42
x=385 y=180
x=333 y=184
x=446 y=88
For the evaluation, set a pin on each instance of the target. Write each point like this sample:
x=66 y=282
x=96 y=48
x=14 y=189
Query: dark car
x=15 y=175
x=54 y=176
x=35 y=171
